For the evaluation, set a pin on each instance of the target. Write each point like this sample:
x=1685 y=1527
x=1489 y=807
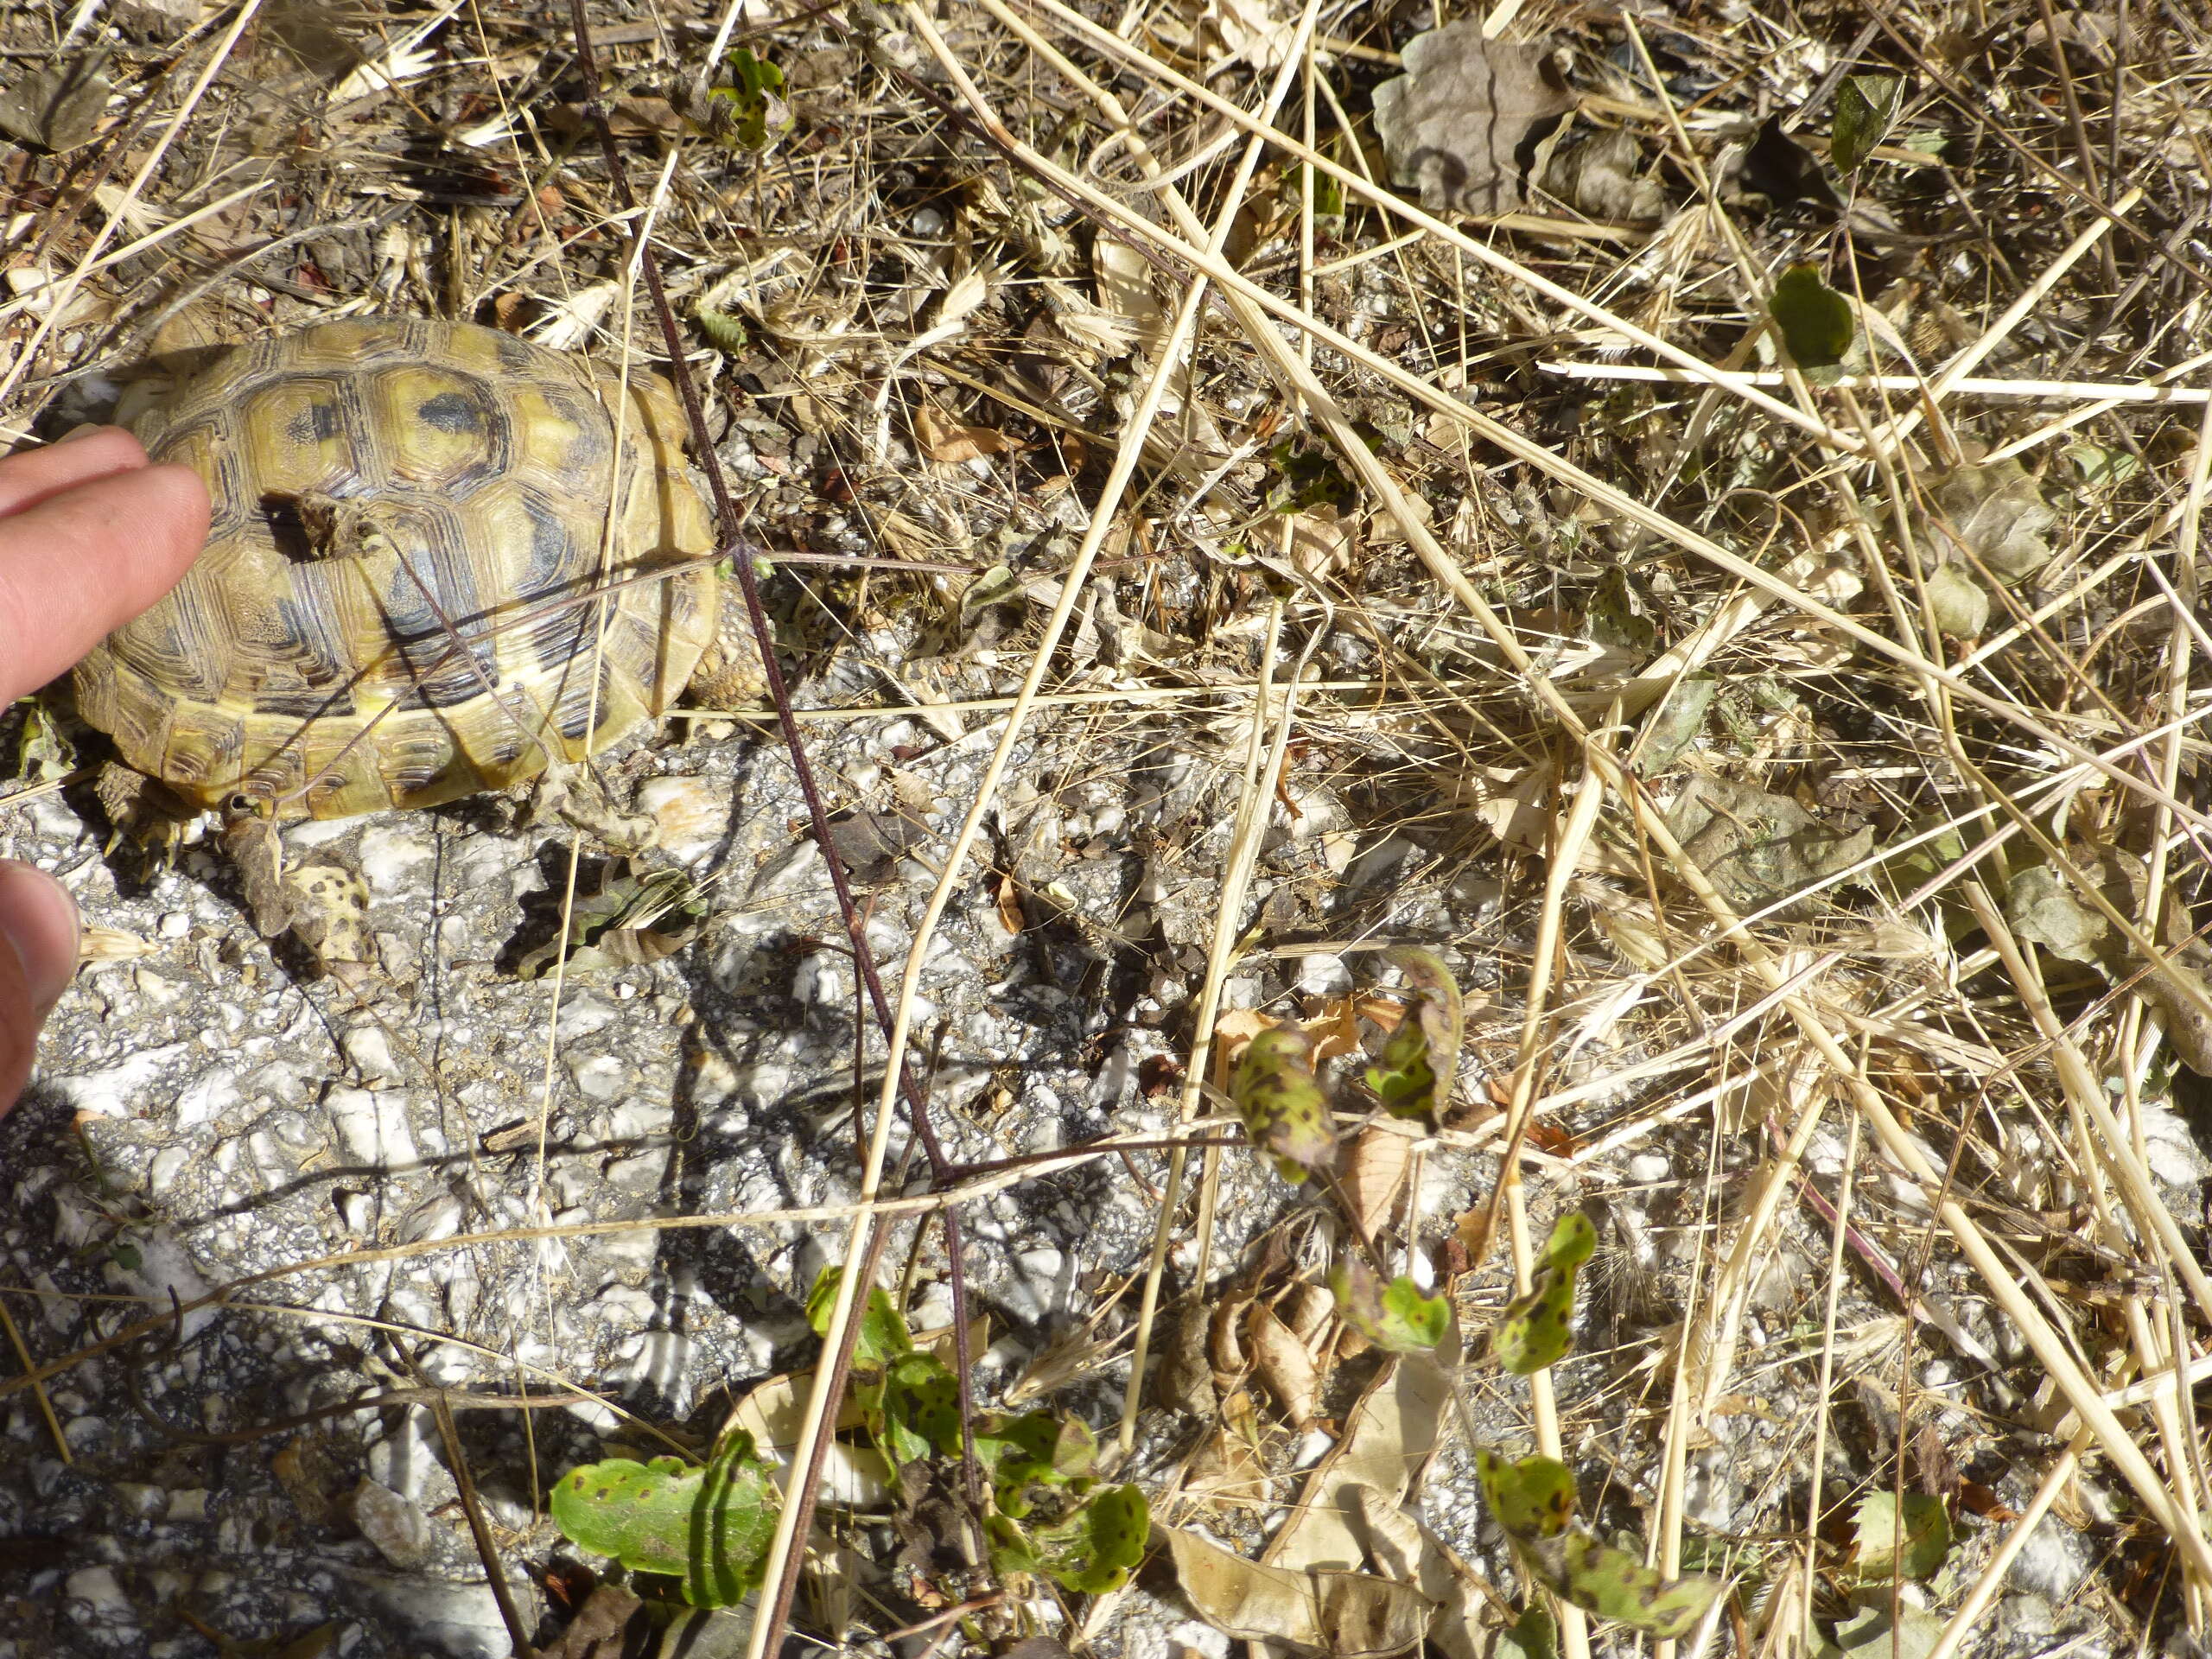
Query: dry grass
x=1093 y=294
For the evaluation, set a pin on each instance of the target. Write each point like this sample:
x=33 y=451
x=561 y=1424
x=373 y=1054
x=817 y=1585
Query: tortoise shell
x=403 y=598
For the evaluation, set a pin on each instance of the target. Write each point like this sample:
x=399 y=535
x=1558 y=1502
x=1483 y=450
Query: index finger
x=84 y=560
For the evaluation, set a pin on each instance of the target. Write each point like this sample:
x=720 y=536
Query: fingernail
x=38 y=922
x=83 y=429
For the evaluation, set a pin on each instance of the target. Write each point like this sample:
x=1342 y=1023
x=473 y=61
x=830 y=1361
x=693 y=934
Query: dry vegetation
x=1797 y=762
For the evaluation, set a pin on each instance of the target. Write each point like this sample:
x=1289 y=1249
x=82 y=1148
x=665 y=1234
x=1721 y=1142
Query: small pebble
x=400 y=1531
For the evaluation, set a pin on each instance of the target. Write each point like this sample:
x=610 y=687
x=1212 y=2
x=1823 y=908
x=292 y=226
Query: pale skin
x=91 y=534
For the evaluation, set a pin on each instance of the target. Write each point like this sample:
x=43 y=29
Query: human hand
x=90 y=536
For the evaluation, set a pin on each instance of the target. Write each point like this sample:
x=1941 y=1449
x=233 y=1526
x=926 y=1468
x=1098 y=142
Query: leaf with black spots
x=1285 y=1113
x=1536 y=1329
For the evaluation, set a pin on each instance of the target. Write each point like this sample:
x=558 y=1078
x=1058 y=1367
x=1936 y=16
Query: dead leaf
x=1600 y=177
x=60 y=107
x=1464 y=121
x=951 y=441
x=1386 y=1437
x=1374 y=1170
x=1247 y=29
x=1284 y=1366
x=1995 y=514
x=1346 y=1614
x=1757 y=848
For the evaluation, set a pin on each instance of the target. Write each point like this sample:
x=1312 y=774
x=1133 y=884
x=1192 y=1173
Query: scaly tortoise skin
x=299 y=669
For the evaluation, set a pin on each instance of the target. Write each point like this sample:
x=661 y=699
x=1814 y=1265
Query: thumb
x=38 y=956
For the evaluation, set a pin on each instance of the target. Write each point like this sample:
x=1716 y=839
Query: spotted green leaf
x=1816 y=321
x=1611 y=1583
x=1536 y=1330
x=710 y=1527
x=920 y=1413
x=1413 y=1078
x=1396 y=1317
x=1099 y=1544
x=1284 y=1110
x=1532 y=1499
x=1865 y=106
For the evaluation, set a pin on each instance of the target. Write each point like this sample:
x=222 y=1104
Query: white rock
x=368 y=1051
x=174 y=926
x=92 y=1597
x=2171 y=1150
x=371 y=1128
x=122 y=1090
x=1650 y=1168
x=400 y=1531
x=599 y=1077
x=206 y=1097
x=168 y=1163
x=391 y=853
x=692 y=815
x=1324 y=975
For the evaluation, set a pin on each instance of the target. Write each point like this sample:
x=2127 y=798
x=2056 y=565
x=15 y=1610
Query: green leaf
x=1535 y=1635
x=1816 y=321
x=1414 y=1077
x=1536 y=1330
x=1284 y=1110
x=754 y=103
x=1532 y=1499
x=1097 y=1547
x=1907 y=1543
x=1611 y=1583
x=883 y=1336
x=920 y=1410
x=1039 y=1450
x=1395 y=1317
x=710 y=1527
x=1865 y=107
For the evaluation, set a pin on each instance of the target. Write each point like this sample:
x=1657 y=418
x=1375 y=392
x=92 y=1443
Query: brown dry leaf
x=1757 y=848
x=1285 y=1368
x=57 y=108
x=1600 y=177
x=1388 y=1436
x=1335 y=1030
x=1374 y=1170
x=1346 y=1614
x=1224 y=1345
x=1321 y=541
x=953 y=443
x=1226 y=1467
x=1234 y=1030
x=1247 y=30
x=1995 y=513
x=1464 y=122
x=1184 y=1380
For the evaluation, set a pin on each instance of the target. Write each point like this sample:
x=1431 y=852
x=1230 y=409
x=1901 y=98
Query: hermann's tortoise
x=403 y=599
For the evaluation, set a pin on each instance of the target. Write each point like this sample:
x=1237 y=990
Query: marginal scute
x=398 y=601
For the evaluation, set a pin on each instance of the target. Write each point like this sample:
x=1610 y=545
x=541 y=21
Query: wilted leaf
x=57 y=108
x=1957 y=602
x=1397 y=1316
x=630 y=920
x=1757 y=848
x=1900 y=1543
x=2043 y=909
x=1993 y=513
x=1672 y=727
x=1414 y=1075
x=1536 y=1330
x=1345 y=1615
x=952 y=443
x=1816 y=321
x=1374 y=1170
x=1464 y=121
x=1602 y=176
x=710 y=1527
x=1284 y=1110
x=1284 y=1365
x=1865 y=107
